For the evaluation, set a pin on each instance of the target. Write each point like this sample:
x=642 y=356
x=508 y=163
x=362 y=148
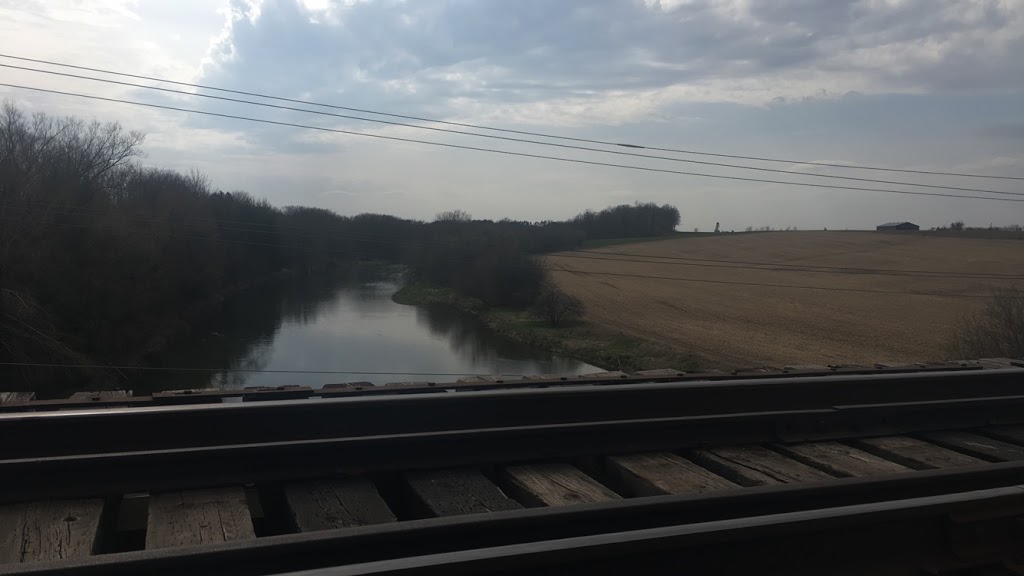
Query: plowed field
x=785 y=298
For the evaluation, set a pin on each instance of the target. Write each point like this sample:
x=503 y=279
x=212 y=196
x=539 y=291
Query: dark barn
x=897 y=226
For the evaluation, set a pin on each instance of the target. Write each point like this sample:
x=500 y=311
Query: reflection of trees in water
x=240 y=333
x=304 y=298
x=257 y=358
x=463 y=336
x=236 y=335
x=470 y=338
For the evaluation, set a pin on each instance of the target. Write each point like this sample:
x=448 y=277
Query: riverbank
x=583 y=341
x=423 y=295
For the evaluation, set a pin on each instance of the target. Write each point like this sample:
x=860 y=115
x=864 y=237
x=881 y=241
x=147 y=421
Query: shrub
x=556 y=307
x=996 y=332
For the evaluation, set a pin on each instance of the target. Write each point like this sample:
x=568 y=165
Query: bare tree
x=996 y=332
x=453 y=216
x=556 y=307
x=28 y=331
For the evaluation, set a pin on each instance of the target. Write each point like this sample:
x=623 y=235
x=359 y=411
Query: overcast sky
x=921 y=84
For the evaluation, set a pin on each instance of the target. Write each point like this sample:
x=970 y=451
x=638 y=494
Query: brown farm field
x=722 y=316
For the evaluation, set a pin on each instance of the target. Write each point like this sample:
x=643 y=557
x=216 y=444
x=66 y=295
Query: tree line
x=959 y=226
x=629 y=221
x=103 y=259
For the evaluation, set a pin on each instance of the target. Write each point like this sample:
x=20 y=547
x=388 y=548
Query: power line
x=589 y=255
x=511 y=139
x=504 y=152
x=511 y=131
x=254 y=370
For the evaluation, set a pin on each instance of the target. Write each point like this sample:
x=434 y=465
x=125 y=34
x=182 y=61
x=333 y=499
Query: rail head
x=715 y=517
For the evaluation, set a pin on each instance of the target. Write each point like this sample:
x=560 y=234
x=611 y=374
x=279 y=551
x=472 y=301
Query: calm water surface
x=344 y=324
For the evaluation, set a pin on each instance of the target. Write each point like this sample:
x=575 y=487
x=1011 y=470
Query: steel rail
x=936 y=490
x=167 y=427
x=365 y=389
x=118 y=472
x=659 y=548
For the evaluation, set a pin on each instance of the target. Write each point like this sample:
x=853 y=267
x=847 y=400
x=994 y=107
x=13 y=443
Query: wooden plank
x=806 y=368
x=757 y=466
x=336 y=503
x=554 y=484
x=757 y=370
x=198 y=517
x=13 y=397
x=286 y=392
x=999 y=363
x=914 y=453
x=661 y=372
x=1013 y=434
x=976 y=445
x=102 y=395
x=604 y=375
x=357 y=384
x=456 y=492
x=407 y=387
x=68 y=404
x=660 y=473
x=841 y=460
x=54 y=530
x=193 y=396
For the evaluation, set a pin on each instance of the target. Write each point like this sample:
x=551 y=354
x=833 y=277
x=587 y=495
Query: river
x=284 y=332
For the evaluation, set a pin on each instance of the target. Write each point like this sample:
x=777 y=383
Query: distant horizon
x=910 y=85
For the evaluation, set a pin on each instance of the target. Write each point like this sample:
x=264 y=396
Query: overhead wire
x=563 y=159
x=503 y=152
x=513 y=131
x=511 y=139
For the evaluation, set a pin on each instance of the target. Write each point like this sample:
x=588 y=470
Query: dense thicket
x=492 y=261
x=101 y=259
x=629 y=221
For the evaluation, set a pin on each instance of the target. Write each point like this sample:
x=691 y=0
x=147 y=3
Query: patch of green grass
x=422 y=295
x=611 y=351
x=608 y=350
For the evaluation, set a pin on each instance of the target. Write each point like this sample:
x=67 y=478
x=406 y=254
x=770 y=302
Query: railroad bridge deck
x=857 y=469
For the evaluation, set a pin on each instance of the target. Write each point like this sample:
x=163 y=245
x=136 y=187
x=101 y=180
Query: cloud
x=909 y=83
x=616 y=61
x=1009 y=130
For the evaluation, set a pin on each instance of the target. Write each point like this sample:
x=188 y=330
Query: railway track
x=886 y=472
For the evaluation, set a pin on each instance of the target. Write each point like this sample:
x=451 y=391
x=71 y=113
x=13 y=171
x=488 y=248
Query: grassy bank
x=608 y=350
x=422 y=295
